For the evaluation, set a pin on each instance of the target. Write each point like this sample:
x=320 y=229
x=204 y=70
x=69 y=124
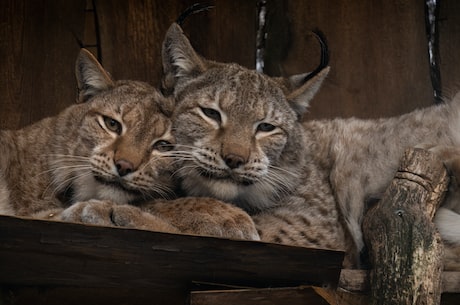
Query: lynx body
x=107 y=161
x=243 y=141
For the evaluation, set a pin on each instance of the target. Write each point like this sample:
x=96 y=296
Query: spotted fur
x=107 y=160
x=242 y=140
x=79 y=155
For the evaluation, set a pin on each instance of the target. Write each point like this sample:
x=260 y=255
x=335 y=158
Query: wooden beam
x=268 y=296
x=53 y=254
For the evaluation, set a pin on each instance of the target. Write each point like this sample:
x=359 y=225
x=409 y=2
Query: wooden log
x=357 y=281
x=405 y=248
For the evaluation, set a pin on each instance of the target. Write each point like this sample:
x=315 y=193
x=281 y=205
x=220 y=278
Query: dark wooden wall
x=378 y=48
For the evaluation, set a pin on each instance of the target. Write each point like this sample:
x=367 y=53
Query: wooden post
x=405 y=248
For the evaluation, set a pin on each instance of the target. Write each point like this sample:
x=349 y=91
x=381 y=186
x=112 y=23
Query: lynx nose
x=124 y=167
x=234 y=161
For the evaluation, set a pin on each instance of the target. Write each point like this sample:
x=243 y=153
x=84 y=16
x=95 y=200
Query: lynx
x=243 y=141
x=107 y=160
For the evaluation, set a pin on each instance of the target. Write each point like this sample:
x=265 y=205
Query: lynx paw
x=106 y=213
x=133 y=217
x=206 y=216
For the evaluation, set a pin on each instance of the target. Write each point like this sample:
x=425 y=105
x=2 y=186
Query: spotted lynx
x=243 y=141
x=106 y=160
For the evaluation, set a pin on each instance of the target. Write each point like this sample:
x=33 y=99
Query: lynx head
x=238 y=132
x=118 y=140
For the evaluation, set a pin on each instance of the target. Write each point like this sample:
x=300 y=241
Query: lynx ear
x=301 y=88
x=180 y=60
x=91 y=77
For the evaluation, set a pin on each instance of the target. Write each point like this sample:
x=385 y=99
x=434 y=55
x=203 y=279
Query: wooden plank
x=227 y=33
x=268 y=296
x=342 y=297
x=59 y=295
x=378 y=49
x=132 y=33
x=37 y=58
x=353 y=289
x=377 y=70
x=449 y=44
x=51 y=295
x=43 y=253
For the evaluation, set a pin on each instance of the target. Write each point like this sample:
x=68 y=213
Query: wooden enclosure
x=379 y=55
x=379 y=59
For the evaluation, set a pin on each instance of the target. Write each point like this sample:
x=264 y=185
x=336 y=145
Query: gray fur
x=305 y=183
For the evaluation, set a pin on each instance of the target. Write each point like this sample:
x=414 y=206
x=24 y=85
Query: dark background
x=379 y=54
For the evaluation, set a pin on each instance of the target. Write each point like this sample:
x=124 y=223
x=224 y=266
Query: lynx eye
x=163 y=146
x=265 y=127
x=112 y=125
x=212 y=114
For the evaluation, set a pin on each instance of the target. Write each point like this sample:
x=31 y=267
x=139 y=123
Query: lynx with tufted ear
x=107 y=160
x=91 y=77
x=242 y=140
x=181 y=63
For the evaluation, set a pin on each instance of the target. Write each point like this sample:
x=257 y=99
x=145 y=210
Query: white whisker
x=65 y=182
x=82 y=167
x=278 y=182
x=184 y=168
x=277 y=168
x=63 y=158
x=186 y=146
x=149 y=163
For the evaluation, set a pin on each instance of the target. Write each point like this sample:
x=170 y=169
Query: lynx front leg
x=206 y=216
x=349 y=195
x=107 y=213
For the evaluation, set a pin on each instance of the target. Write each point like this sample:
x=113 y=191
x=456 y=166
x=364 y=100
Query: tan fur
x=205 y=216
x=242 y=140
x=106 y=161
x=76 y=151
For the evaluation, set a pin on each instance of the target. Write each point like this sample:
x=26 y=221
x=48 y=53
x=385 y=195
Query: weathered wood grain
x=268 y=296
x=132 y=33
x=379 y=58
x=37 y=58
x=41 y=253
x=405 y=247
x=377 y=68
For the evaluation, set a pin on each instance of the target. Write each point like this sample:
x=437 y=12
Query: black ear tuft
x=191 y=10
x=324 y=61
x=302 y=92
x=301 y=88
